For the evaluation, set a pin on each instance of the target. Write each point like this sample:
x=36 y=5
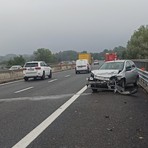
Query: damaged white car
x=114 y=75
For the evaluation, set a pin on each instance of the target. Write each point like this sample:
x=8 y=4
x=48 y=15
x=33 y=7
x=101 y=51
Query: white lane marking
x=67 y=76
x=41 y=98
x=23 y=90
x=10 y=82
x=23 y=143
x=52 y=80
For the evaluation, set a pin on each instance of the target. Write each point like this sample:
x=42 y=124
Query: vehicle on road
x=96 y=62
x=36 y=69
x=82 y=66
x=112 y=74
x=15 y=67
x=110 y=56
x=85 y=56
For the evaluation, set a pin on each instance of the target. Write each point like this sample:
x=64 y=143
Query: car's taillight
x=37 y=68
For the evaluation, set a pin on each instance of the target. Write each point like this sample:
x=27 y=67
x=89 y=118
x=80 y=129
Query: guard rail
x=141 y=63
x=143 y=79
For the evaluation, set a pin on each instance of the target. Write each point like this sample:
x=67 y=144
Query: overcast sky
x=92 y=25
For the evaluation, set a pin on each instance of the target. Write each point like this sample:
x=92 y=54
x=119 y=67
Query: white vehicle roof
x=15 y=67
x=34 y=61
x=82 y=61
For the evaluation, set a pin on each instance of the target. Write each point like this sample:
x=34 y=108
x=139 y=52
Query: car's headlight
x=119 y=77
x=91 y=78
x=92 y=75
x=113 y=78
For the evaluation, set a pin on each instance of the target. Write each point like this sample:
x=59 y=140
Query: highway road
x=63 y=113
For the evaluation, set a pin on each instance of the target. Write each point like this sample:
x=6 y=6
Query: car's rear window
x=31 y=65
x=79 y=62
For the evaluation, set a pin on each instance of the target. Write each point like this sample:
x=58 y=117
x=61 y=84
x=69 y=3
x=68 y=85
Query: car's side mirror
x=128 y=68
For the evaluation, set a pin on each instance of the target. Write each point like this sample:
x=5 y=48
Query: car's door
x=128 y=72
x=134 y=73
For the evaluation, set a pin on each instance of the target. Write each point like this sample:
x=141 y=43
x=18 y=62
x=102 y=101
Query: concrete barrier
x=11 y=75
x=6 y=76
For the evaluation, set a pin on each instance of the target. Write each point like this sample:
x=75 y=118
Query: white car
x=36 y=69
x=96 y=62
x=121 y=72
x=82 y=66
x=15 y=67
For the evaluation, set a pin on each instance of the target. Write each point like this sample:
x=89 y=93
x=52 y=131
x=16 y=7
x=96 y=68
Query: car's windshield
x=112 y=65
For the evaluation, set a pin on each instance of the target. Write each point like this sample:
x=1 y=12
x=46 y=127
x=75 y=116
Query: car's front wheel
x=136 y=82
x=122 y=84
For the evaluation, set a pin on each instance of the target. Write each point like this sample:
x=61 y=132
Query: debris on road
x=141 y=138
x=107 y=116
x=110 y=129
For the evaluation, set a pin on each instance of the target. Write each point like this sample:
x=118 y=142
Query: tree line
x=137 y=48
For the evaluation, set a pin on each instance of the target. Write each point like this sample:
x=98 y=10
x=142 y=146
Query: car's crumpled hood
x=105 y=73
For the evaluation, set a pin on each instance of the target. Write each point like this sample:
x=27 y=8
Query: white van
x=82 y=66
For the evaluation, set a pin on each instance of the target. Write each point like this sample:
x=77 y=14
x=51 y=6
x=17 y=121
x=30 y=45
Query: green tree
x=84 y=51
x=18 y=60
x=120 y=52
x=43 y=54
x=137 y=46
x=66 y=55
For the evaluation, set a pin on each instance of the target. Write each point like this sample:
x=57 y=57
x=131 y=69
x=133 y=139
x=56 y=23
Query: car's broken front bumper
x=100 y=84
x=111 y=84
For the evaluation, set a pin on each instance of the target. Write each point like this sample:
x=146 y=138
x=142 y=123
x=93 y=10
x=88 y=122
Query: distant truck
x=86 y=56
x=110 y=56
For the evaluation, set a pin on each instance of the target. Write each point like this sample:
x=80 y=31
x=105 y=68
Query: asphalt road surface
x=63 y=113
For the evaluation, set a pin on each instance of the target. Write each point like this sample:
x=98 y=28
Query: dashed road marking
x=52 y=80
x=23 y=143
x=10 y=82
x=23 y=90
x=67 y=76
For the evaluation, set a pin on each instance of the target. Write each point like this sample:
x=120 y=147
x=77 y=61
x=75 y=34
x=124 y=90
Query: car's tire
x=94 y=90
x=26 y=79
x=122 y=83
x=136 y=82
x=50 y=75
x=43 y=76
x=77 y=72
